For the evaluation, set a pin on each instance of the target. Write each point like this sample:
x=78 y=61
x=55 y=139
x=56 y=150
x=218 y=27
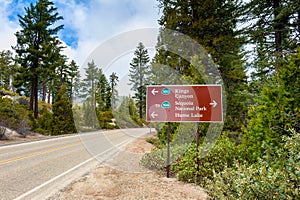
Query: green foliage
x=97 y=95
x=221 y=156
x=36 y=40
x=154 y=141
x=63 y=121
x=276 y=111
x=126 y=114
x=7 y=69
x=105 y=118
x=138 y=76
x=274 y=176
x=114 y=93
x=213 y=25
x=273 y=33
x=163 y=133
x=157 y=159
x=44 y=122
x=14 y=115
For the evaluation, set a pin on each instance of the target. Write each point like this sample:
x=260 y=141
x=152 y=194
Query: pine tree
x=73 y=77
x=114 y=93
x=104 y=94
x=275 y=32
x=63 y=121
x=89 y=83
x=213 y=24
x=50 y=71
x=7 y=70
x=35 y=42
x=96 y=92
x=138 y=76
x=276 y=111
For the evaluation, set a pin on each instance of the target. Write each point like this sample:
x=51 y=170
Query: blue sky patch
x=69 y=36
x=17 y=7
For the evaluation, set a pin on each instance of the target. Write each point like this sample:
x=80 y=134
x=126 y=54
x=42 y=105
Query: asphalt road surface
x=37 y=170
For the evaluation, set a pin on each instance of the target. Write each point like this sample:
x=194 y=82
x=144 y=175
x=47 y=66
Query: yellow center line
x=37 y=153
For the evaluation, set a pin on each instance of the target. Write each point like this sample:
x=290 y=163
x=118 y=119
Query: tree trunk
x=36 y=104
x=31 y=96
x=278 y=29
x=298 y=23
x=141 y=102
x=49 y=97
x=44 y=91
x=11 y=87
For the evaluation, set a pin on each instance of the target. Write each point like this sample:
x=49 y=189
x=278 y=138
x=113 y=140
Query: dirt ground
x=16 y=138
x=123 y=178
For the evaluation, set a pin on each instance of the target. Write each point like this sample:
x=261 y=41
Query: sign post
x=184 y=103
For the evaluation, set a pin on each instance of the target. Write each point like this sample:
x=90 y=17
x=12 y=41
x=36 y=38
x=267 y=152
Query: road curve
x=37 y=170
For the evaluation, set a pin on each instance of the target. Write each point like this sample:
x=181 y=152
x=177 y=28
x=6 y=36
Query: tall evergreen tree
x=114 y=93
x=276 y=111
x=63 y=121
x=96 y=92
x=50 y=72
x=274 y=31
x=104 y=94
x=73 y=77
x=7 y=70
x=89 y=83
x=213 y=24
x=138 y=76
x=35 y=42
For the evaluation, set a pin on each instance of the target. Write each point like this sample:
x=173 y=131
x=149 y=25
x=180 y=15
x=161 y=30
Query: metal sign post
x=168 y=149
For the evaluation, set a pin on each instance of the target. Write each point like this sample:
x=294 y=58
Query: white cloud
x=100 y=20
x=91 y=22
x=8 y=28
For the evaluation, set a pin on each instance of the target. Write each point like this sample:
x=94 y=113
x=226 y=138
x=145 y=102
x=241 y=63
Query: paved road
x=36 y=170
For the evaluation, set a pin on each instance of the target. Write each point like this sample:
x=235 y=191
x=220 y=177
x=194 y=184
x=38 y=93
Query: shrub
x=274 y=176
x=276 y=109
x=44 y=123
x=219 y=157
x=62 y=120
x=14 y=116
x=105 y=118
x=157 y=159
x=154 y=141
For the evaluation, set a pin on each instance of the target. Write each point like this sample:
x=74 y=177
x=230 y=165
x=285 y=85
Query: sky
x=87 y=24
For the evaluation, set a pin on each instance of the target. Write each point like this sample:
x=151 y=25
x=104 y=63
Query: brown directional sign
x=184 y=103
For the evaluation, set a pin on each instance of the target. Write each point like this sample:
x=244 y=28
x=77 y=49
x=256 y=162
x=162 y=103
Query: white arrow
x=214 y=103
x=154 y=91
x=153 y=115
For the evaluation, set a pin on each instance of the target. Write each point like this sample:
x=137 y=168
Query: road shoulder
x=123 y=178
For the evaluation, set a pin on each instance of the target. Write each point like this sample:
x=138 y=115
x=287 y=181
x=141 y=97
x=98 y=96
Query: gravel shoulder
x=123 y=178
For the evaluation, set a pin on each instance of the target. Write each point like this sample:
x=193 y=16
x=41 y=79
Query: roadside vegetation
x=257 y=154
x=41 y=91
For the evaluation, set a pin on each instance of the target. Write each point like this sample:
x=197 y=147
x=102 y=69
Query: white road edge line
x=68 y=171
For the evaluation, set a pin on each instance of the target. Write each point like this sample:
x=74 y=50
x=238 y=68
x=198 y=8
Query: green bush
x=219 y=157
x=62 y=119
x=154 y=141
x=275 y=176
x=157 y=159
x=14 y=116
x=276 y=109
x=105 y=118
x=44 y=123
